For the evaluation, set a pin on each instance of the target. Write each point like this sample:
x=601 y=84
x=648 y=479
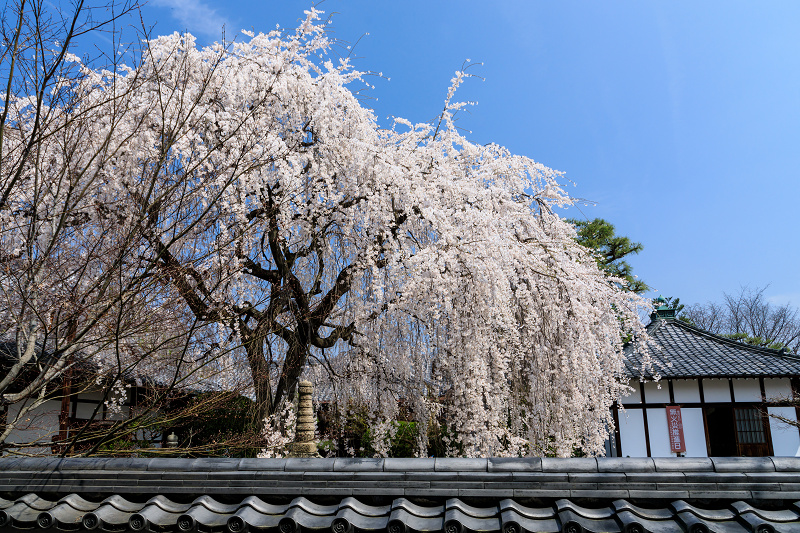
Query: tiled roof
x=693 y=352
x=588 y=478
x=159 y=513
x=151 y=376
x=9 y=350
x=618 y=495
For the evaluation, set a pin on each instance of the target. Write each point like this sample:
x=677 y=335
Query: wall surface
x=746 y=390
x=785 y=437
x=37 y=425
x=631 y=433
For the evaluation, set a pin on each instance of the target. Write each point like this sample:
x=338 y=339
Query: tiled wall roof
x=403 y=495
x=160 y=513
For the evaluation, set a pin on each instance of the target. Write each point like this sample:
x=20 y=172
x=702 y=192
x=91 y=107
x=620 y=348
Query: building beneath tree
x=716 y=398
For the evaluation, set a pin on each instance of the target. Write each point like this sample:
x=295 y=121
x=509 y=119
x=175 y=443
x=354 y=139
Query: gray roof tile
x=693 y=352
x=609 y=496
x=514 y=464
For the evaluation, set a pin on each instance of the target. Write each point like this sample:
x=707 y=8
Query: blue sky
x=678 y=121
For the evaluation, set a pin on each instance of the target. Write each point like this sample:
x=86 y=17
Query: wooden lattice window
x=749 y=426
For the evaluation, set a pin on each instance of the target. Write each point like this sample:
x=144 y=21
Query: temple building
x=716 y=398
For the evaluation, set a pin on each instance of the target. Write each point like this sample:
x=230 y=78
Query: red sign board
x=675 y=429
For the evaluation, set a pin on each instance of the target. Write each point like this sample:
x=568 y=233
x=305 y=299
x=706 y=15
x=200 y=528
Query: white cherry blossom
x=260 y=201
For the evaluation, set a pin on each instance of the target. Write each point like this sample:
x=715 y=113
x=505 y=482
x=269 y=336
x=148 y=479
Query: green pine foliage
x=610 y=250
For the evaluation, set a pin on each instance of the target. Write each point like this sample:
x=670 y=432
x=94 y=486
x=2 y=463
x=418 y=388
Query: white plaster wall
x=96 y=396
x=659 y=437
x=694 y=433
x=778 y=389
x=631 y=433
x=123 y=414
x=785 y=437
x=83 y=411
x=148 y=434
x=746 y=390
x=39 y=424
x=716 y=390
x=686 y=390
x=656 y=392
x=635 y=396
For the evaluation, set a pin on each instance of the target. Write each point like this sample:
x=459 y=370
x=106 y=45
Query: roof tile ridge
x=650 y=328
x=654 y=326
x=731 y=342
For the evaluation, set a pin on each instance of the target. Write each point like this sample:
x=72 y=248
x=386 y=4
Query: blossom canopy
x=421 y=271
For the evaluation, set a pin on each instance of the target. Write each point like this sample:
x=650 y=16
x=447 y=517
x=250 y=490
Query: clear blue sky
x=680 y=121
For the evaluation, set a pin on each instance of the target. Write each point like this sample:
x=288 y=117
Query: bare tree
x=749 y=317
x=81 y=308
x=709 y=316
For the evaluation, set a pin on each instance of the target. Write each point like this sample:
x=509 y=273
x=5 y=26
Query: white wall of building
x=42 y=423
x=84 y=411
x=634 y=396
x=631 y=433
x=694 y=433
x=657 y=427
x=686 y=390
x=785 y=437
x=37 y=425
x=778 y=389
x=716 y=391
x=746 y=390
x=656 y=392
x=87 y=402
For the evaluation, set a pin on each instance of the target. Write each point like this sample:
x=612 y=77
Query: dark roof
x=9 y=351
x=9 y=355
x=621 y=495
x=401 y=515
x=693 y=352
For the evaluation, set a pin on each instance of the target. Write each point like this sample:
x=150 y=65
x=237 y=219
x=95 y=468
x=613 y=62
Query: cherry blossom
x=258 y=199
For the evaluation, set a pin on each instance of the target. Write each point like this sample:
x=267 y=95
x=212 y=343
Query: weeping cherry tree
x=403 y=268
